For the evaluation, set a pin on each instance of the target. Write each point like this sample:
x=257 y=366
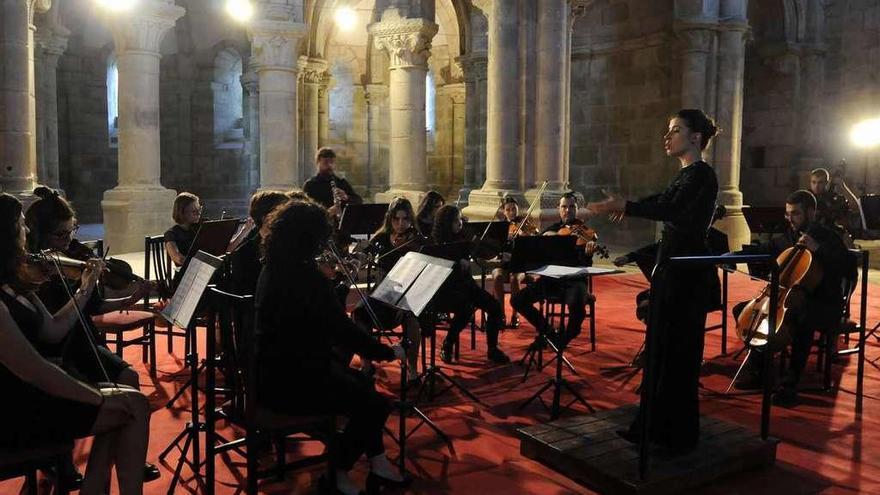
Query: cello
x=797 y=272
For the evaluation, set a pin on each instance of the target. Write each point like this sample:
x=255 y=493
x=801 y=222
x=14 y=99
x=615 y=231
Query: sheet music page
x=597 y=270
x=558 y=271
x=398 y=280
x=188 y=294
x=422 y=291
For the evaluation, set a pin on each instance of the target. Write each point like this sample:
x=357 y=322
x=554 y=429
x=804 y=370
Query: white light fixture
x=116 y=5
x=345 y=18
x=240 y=10
x=866 y=134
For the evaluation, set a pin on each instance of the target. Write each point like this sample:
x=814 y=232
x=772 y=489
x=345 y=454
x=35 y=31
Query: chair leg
x=145 y=351
x=169 y=331
x=152 y=331
x=593 y=326
x=120 y=344
x=280 y=457
x=252 y=456
x=31 y=482
x=829 y=358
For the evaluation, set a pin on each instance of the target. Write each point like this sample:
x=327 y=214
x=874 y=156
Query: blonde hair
x=182 y=200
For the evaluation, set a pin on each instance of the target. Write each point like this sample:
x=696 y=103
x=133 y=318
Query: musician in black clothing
x=574 y=292
x=681 y=299
x=187 y=213
x=833 y=210
x=298 y=323
x=244 y=248
x=328 y=190
x=820 y=309
x=461 y=295
x=428 y=206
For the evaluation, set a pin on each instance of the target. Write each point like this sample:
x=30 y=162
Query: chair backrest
x=96 y=245
x=234 y=318
x=157 y=265
x=857 y=273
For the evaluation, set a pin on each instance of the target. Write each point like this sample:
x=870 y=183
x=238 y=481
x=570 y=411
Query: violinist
x=463 y=295
x=575 y=293
x=48 y=405
x=500 y=276
x=833 y=209
x=244 y=252
x=682 y=296
x=51 y=222
x=179 y=239
x=396 y=237
x=326 y=188
x=820 y=309
x=428 y=206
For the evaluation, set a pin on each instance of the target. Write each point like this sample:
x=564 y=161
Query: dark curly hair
x=442 y=230
x=697 y=121
x=44 y=215
x=263 y=202
x=397 y=204
x=11 y=252
x=428 y=205
x=294 y=233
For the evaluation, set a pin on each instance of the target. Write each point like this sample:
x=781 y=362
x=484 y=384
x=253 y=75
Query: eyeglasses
x=65 y=233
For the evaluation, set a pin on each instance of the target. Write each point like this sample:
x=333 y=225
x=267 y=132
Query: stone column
x=312 y=73
x=503 y=141
x=457 y=95
x=138 y=205
x=376 y=96
x=726 y=148
x=274 y=45
x=696 y=42
x=474 y=74
x=51 y=42
x=553 y=41
x=408 y=43
x=251 y=84
x=18 y=145
x=324 y=110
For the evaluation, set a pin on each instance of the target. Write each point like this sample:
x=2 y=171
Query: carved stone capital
x=52 y=42
x=275 y=44
x=250 y=82
x=474 y=66
x=142 y=29
x=311 y=70
x=695 y=39
x=455 y=92
x=280 y=10
x=578 y=10
x=407 y=41
x=37 y=7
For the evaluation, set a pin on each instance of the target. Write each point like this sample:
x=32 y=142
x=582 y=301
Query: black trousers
x=462 y=296
x=344 y=392
x=574 y=296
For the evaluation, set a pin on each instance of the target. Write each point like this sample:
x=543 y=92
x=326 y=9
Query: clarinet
x=334 y=190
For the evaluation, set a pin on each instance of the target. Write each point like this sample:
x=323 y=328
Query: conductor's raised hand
x=614 y=206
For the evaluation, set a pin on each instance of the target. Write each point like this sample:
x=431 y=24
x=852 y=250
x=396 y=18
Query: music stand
x=870 y=205
x=765 y=219
x=364 y=219
x=494 y=240
x=181 y=312
x=213 y=236
x=531 y=252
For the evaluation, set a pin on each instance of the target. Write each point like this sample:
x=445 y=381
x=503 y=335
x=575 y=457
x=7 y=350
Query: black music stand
x=765 y=219
x=495 y=239
x=213 y=236
x=181 y=311
x=364 y=219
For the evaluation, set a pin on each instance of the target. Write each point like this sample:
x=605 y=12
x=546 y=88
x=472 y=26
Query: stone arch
x=228 y=98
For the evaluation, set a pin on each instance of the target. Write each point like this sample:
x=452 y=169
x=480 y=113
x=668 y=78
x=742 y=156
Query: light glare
x=116 y=5
x=240 y=10
x=345 y=18
x=866 y=134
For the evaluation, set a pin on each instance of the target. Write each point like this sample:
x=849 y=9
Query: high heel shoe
x=375 y=483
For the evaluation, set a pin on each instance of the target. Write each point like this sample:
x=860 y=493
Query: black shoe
x=375 y=483
x=497 y=356
x=514 y=322
x=151 y=472
x=538 y=344
x=70 y=479
x=446 y=352
x=748 y=382
x=786 y=397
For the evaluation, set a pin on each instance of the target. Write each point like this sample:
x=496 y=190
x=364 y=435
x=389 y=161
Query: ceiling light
x=866 y=134
x=345 y=18
x=116 y=5
x=240 y=10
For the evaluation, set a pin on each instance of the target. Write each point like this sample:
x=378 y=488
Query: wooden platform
x=588 y=450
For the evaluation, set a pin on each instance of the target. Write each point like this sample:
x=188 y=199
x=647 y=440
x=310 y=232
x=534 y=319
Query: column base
x=412 y=195
x=734 y=225
x=464 y=195
x=485 y=204
x=132 y=213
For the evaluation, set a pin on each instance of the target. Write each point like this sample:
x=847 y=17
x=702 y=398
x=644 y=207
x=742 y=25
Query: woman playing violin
x=49 y=405
x=51 y=222
x=500 y=276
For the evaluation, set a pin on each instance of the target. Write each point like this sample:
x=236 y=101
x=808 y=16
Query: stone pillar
x=503 y=141
x=312 y=73
x=376 y=96
x=274 y=45
x=553 y=42
x=18 y=145
x=474 y=73
x=408 y=43
x=726 y=148
x=51 y=43
x=457 y=95
x=324 y=110
x=251 y=84
x=696 y=42
x=138 y=205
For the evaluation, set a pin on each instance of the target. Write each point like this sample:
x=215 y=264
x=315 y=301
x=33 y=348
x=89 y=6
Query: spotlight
x=116 y=5
x=345 y=18
x=866 y=134
x=240 y=10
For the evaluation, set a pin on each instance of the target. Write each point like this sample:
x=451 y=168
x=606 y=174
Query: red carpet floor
x=823 y=449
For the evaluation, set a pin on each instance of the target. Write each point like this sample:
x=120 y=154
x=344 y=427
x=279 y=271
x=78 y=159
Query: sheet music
x=188 y=294
x=398 y=280
x=423 y=289
x=558 y=271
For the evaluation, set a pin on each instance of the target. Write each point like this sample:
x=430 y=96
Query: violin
x=117 y=275
x=39 y=268
x=797 y=272
x=584 y=235
x=521 y=227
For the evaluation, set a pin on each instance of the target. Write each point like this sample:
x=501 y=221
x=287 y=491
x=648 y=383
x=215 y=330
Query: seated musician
x=396 y=237
x=820 y=309
x=49 y=406
x=575 y=295
x=428 y=206
x=51 y=222
x=298 y=323
x=187 y=213
x=462 y=295
x=244 y=250
x=832 y=209
x=500 y=276
x=326 y=188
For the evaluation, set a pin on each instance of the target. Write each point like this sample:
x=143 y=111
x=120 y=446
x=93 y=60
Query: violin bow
x=529 y=211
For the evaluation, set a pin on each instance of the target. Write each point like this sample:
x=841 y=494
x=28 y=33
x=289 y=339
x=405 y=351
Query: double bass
x=798 y=272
